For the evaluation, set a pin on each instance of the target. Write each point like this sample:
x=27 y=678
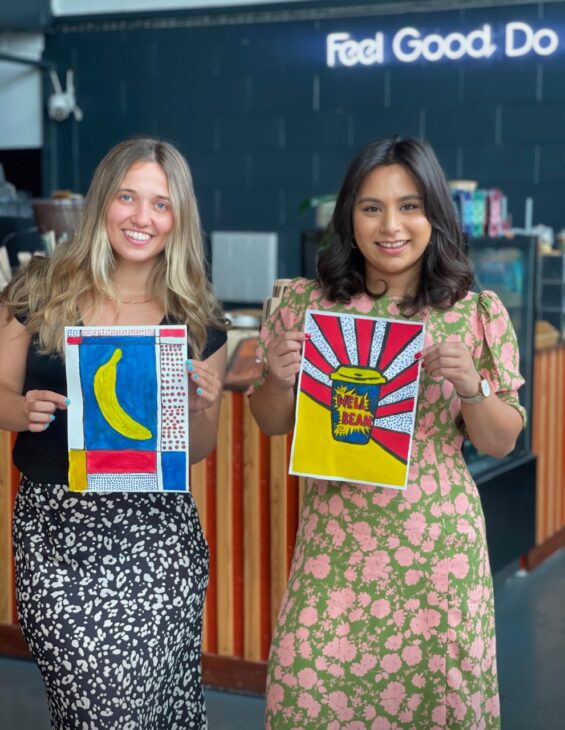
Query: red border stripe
x=211 y=606
x=172 y=333
x=237 y=521
x=121 y=462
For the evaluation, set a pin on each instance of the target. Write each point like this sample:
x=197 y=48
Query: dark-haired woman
x=388 y=618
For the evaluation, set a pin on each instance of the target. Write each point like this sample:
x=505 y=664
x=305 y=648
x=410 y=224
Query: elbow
x=501 y=449
x=275 y=431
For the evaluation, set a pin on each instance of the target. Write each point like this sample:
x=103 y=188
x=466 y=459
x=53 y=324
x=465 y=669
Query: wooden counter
x=548 y=443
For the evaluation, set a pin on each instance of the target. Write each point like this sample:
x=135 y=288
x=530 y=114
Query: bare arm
x=206 y=380
x=272 y=404
x=492 y=425
x=33 y=411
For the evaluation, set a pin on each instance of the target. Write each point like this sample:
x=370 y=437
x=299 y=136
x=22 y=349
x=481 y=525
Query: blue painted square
x=118 y=415
x=173 y=468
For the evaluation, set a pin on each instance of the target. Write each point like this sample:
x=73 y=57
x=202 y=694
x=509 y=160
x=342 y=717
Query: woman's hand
x=284 y=353
x=205 y=386
x=452 y=361
x=39 y=408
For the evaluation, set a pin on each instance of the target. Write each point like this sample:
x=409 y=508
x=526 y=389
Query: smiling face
x=391 y=229
x=140 y=215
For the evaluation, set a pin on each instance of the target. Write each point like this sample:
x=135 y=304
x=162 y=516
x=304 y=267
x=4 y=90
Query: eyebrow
x=403 y=199
x=131 y=190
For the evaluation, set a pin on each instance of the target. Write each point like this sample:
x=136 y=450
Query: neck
x=131 y=283
x=395 y=287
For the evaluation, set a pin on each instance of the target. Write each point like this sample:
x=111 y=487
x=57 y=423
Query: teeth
x=391 y=244
x=137 y=235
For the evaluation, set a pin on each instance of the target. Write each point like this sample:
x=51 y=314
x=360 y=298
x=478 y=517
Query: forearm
x=492 y=425
x=12 y=416
x=203 y=435
x=273 y=408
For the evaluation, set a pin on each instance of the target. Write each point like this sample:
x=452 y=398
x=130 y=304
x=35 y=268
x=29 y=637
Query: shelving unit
x=551 y=291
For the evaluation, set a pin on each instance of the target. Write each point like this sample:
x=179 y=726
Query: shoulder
x=301 y=288
x=480 y=302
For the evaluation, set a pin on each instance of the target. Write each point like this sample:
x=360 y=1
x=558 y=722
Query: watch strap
x=483 y=393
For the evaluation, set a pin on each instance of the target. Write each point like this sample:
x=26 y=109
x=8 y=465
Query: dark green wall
x=264 y=124
x=25 y=15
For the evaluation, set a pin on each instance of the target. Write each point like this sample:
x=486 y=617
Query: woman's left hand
x=205 y=386
x=454 y=362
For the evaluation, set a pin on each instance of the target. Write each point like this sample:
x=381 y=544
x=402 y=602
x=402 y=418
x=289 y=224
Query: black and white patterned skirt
x=110 y=590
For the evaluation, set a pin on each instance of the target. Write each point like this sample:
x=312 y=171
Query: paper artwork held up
x=128 y=418
x=357 y=397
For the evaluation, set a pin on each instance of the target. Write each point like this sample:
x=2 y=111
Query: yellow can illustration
x=355 y=396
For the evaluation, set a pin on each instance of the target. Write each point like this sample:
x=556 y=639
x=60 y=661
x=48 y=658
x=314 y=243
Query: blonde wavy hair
x=47 y=293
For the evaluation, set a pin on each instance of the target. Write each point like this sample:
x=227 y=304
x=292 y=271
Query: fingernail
x=51 y=418
x=307 y=336
x=258 y=360
x=417 y=355
x=195 y=376
x=189 y=365
x=199 y=391
x=46 y=425
x=67 y=401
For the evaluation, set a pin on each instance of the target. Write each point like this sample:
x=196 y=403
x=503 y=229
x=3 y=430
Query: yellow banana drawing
x=105 y=392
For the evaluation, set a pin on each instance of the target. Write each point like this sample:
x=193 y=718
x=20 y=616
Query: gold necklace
x=126 y=301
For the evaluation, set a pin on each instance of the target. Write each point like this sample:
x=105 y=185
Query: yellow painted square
x=77 y=471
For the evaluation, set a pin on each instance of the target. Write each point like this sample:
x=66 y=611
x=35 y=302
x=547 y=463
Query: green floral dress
x=388 y=619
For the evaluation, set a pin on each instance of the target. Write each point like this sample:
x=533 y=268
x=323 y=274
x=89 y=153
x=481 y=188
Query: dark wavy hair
x=446 y=274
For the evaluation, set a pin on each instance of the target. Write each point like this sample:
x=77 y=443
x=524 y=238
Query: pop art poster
x=128 y=417
x=356 y=401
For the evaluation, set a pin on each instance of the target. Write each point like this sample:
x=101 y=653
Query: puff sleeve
x=498 y=357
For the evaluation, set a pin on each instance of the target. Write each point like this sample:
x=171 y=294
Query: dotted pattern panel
x=142 y=331
x=174 y=393
x=350 y=338
x=316 y=373
x=407 y=391
x=405 y=358
x=402 y=422
x=320 y=341
x=116 y=483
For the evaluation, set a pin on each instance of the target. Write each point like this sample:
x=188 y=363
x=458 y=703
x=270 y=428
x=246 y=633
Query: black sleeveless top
x=43 y=456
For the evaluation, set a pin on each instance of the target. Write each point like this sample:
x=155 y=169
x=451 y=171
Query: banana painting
x=107 y=399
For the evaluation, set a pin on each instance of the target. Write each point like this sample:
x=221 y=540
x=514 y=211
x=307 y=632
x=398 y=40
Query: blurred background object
x=59 y=213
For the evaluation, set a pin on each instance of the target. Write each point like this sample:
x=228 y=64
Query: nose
x=389 y=221
x=141 y=214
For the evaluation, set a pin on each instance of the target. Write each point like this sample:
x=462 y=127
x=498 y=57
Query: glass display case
x=551 y=290
x=508 y=267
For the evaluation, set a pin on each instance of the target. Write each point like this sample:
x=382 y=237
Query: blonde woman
x=110 y=587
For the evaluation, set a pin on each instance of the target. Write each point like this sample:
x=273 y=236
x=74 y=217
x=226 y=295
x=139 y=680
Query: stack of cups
x=272 y=302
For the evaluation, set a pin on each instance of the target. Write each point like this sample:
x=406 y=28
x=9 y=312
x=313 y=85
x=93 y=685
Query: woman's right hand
x=39 y=408
x=284 y=353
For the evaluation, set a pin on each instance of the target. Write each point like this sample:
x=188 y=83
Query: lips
x=136 y=237
x=392 y=245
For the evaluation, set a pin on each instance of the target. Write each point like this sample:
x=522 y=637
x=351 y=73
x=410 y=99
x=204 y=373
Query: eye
x=370 y=209
x=125 y=197
x=409 y=206
x=161 y=206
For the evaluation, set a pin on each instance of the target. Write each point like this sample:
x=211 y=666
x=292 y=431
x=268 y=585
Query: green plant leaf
x=316 y=201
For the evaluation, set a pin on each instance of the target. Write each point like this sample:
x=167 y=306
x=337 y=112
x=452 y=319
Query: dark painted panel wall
x=25 y=14
x=264 y=124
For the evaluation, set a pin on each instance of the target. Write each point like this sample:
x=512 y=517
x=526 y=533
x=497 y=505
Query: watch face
x=485 y=388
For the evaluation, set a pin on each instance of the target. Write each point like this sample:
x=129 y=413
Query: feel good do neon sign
x=409 y=45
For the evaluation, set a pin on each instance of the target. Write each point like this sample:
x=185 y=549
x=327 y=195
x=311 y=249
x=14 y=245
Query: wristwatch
x=484 y=392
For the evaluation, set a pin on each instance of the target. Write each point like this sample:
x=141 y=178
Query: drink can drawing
x=355 y=396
